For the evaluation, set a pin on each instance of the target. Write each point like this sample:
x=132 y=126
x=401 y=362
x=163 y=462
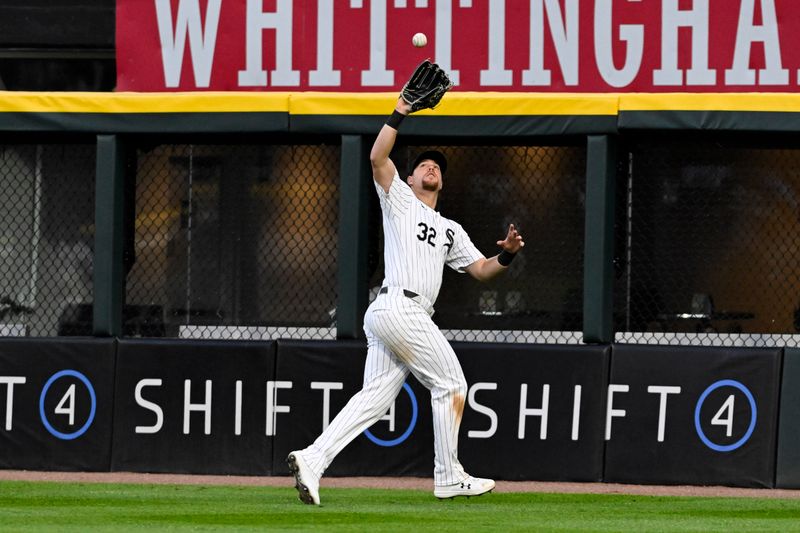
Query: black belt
x=407 y=293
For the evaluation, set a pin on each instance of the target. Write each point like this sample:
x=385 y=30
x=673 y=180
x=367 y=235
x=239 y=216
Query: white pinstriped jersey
x=418 y=242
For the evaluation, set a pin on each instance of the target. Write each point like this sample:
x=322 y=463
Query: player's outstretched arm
x=485 y=269
x=382 y=167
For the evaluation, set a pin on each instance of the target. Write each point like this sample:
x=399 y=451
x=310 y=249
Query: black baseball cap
x=433 y=155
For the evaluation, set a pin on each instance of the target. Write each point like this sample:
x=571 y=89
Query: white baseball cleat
x=472 y=486
x=306 y=482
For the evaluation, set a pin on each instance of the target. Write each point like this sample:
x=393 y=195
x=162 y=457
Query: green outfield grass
x=36 y=506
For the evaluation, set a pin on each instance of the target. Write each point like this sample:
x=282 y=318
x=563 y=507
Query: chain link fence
x=234 y=242
x=237 y=241
x=240 y=242
x=46 y=239
x=541 y=190
x=708 y=244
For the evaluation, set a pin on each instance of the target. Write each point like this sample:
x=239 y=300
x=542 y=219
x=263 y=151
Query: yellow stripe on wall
x=457 y=104
x=764 y=102
x=194 y=102
x=306 y=103
x=332 y=103
x=319 y=103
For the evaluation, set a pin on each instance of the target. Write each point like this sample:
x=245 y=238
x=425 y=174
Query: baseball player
x=401 y=336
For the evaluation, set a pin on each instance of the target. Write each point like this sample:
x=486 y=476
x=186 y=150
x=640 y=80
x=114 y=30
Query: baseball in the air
x=419 y=40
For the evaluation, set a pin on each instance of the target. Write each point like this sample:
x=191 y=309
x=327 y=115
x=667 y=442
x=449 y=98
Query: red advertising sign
x=486 y=45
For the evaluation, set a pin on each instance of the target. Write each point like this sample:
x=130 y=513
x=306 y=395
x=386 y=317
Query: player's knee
x=451 y=389
x=459 y=388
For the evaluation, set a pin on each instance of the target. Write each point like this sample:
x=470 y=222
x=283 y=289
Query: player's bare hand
x=513 y=241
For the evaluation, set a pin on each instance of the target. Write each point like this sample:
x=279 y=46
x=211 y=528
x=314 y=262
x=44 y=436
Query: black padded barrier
x=697 y=416
x=502 y=432
x=56 y=404
x=193 y=406
x=667 y=410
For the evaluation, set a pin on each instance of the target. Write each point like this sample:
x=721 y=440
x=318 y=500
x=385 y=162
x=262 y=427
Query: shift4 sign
x=67 y=404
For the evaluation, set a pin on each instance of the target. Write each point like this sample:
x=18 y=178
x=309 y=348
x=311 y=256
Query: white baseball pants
x=401 y=337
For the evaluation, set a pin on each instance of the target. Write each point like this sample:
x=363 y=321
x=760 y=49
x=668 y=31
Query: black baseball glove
x=426 y=87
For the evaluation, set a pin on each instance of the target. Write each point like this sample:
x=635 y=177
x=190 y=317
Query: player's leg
x=438 y=368
x=384 y=376
x=413 y=337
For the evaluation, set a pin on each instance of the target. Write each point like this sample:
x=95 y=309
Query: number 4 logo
x=66 y=406
x=724 y=416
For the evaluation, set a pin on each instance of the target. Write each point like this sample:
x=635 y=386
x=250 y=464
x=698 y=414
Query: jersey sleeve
x=398 y=199
x=463 y=253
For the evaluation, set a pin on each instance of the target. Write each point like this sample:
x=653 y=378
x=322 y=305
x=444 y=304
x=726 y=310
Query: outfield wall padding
x=56 y=398
x=187 y=415
x=621 y=413
x=512 y=383
x=698 y=416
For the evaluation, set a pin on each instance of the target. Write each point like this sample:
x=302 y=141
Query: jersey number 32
x=428 y=234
